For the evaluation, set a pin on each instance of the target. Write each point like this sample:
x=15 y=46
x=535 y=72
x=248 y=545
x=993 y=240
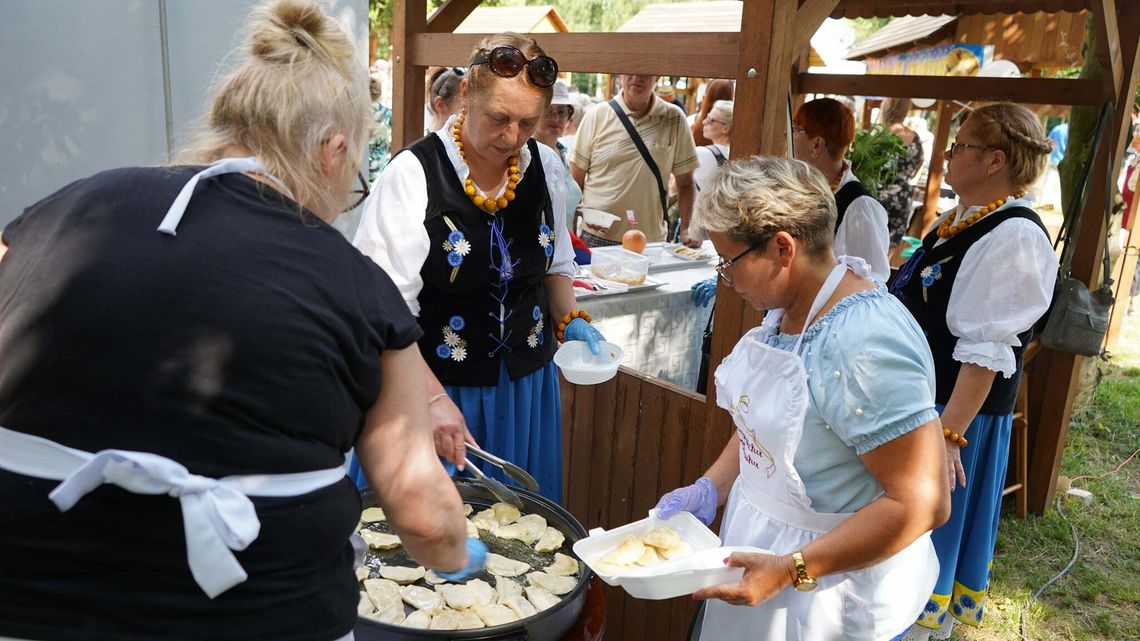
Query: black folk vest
x=924 y=285
x=483 y=300
x=845 y=196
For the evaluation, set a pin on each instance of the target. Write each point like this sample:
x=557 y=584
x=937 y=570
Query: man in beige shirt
x=616 y=179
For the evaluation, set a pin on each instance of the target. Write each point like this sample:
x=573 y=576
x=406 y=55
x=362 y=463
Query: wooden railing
x=625 y=443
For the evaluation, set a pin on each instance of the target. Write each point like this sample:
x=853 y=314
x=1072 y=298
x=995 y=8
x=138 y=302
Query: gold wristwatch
x=802 y=582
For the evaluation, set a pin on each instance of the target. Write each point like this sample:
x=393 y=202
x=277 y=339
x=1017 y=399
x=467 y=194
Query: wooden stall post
x=409 y=17
x=1129 y=48
x=1060 y=370
x=920 y=224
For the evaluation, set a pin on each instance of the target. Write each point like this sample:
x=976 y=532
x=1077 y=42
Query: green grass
x=1099 y=598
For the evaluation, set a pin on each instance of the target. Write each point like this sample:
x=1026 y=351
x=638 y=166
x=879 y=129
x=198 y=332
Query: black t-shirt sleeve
x=390 y=316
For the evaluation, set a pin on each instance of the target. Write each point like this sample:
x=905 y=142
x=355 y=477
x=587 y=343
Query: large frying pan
x=549 y=625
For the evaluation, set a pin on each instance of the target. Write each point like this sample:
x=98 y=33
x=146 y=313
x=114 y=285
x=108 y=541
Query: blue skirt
x=520 y=421
x=965 y=544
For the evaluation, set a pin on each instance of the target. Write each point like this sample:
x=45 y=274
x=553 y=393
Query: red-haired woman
x=822 y=131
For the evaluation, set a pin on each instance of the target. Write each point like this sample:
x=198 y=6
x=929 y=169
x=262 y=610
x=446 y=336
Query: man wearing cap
x=616 y=177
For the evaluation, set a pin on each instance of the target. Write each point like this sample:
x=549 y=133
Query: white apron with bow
x=765 y=389
x=217 y=514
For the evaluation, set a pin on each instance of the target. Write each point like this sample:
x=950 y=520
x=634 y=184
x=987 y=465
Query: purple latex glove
x=700 y=499
x=476 y=557
x=580 y=330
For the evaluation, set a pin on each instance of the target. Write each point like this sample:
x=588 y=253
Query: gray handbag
x=1078 y=319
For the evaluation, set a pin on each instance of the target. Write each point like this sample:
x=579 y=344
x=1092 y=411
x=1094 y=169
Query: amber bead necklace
x=488 y=204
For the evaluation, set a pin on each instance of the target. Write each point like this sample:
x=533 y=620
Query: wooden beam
x=408 y=17
x=809 y=16
x=450 y=15
x=868 y=8
x=1036 y=91
x=1108 y=43
x=705 y=55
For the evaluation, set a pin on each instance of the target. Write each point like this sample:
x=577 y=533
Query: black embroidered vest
x=924 y=285
x=845 y=196
x=483 y=299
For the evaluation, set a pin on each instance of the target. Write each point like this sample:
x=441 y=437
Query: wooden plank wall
x=1036 y=40
x=625 y=443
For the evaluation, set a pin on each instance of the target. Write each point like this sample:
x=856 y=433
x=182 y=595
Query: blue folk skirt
x=965 y=544
x=520 y=421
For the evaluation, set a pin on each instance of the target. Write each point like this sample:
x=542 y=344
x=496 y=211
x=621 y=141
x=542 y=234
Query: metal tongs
x=501 y=492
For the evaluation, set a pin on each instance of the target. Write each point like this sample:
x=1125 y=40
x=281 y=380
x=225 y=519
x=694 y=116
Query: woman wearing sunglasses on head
x=977 y=286
x=836 y=463
x=191 y=350
x=469 y=222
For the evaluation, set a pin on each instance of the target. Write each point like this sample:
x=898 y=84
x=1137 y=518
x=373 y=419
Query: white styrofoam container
x=703 y=568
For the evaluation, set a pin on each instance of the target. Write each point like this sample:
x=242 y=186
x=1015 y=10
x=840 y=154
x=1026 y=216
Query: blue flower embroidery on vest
x=546 y=238
x=548 y=250
x=534 y=339
x=453 y=346
x=931 y=274
x=454 y=259
x=457 y=323
x=454 y=237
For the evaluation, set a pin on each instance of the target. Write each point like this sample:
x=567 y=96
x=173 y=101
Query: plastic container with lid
x=619 y=265
x=668 y=579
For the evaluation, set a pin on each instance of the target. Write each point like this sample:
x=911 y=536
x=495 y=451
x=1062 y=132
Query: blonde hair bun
x=287 y=31
x=299 y=85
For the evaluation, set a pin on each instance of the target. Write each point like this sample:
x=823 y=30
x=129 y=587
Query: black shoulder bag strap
x=720 y=159
x=640 y=144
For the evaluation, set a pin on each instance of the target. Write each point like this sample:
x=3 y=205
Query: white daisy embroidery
x=544 y=239
x=462 y=247
x=458 y=353
x=532 y=340
x=450 y=338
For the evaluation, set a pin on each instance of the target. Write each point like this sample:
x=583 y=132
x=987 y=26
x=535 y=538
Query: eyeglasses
x=508 y=62
x=959 y=146
x=561 y=111
x=711 y=120
x=724 y=267
x=362 y=191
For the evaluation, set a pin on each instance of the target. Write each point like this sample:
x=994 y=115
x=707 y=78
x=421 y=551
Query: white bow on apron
x=217 y=514
x=765 y=389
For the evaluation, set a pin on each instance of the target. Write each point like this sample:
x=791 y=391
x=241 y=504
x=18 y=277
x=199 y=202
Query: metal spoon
x=501 y=492
x=510 y=469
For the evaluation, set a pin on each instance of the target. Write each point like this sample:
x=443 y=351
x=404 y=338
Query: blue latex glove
x=704 y=292
x=700 y=498
x=580 y=330
x=476 y=557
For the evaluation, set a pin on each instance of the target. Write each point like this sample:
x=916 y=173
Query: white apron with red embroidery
x=765 y=389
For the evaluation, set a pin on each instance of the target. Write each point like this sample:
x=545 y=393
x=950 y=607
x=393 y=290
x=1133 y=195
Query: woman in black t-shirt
x=179 y=383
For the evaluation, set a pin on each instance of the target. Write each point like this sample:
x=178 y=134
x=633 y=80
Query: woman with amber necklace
x=982 y=278
x=469 y=223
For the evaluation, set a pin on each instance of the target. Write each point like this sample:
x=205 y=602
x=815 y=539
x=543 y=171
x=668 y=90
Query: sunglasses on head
x=508 y=62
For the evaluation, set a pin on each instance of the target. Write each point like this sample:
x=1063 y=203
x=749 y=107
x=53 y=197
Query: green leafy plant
x=874 y=156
